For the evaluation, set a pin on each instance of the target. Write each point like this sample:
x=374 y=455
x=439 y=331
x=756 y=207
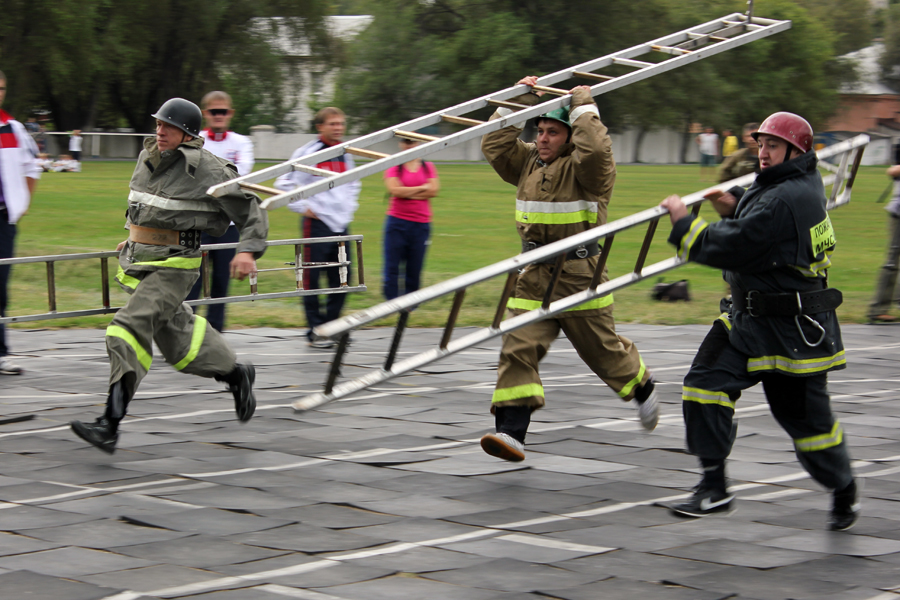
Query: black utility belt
x=592 y=249
x=757 y=304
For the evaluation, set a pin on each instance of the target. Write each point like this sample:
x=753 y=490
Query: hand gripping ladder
x=680 y=48
x=840 y=179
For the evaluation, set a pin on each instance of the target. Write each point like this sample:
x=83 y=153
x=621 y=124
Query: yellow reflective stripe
x=174 y=263
x=630 y=385
x=726 y=320
x=125 y=279
x=689 y=394
x=525 y=304
x=520 y=391
x=144 y=357
x=821 y=442
x=697 y=226
x=816 y=268
x=196 y=341
x=581 y=216
x=790 y=365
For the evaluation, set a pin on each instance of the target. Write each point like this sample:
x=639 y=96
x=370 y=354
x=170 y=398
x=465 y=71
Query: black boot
x=101 y=433
x=240 y=382
x=104 y=432
x=845 y=509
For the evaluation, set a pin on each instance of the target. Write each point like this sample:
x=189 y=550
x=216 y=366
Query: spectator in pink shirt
x=407 y=229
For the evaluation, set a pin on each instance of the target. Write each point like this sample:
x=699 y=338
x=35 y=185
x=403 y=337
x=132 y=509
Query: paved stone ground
x=388 y=496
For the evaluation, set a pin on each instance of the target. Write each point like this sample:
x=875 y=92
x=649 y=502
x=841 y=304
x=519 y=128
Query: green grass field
x=473 y=227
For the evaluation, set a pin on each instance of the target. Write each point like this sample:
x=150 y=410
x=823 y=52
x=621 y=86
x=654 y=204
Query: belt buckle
x=581 y=252
x=189 y=238
x=751 y=310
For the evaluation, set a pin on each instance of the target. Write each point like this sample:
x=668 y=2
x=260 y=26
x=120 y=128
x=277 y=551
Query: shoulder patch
x=822 y=236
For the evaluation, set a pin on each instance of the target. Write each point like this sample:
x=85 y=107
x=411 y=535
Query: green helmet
x=560 y=114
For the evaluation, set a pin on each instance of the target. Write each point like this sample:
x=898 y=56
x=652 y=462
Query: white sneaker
x=8 y=367
x=648 y=411
x=503 y=445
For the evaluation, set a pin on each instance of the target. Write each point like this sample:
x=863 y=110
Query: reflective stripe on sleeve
x=196 y=341
x=556 y=213
x=525 y=304
x=821 y=442
x=697 y=226
x=517 y=392
x=170 y=203
x=690 y=394
x=144 y=357
x=630 y=385
x=790 y=365
x=726 y=320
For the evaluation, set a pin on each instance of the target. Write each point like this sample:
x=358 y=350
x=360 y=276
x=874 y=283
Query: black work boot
x=102 y=433
x=240 y=382
x=845 y=508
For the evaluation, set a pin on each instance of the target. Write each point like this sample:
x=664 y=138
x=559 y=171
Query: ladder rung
x=412 y=135
x=461 y=120
x=717 y=38
x=639 y=64
x=255 y=187
x=365 y=153
x=505 y=104
x=593 y=76
x=550 y=90
x=314 y=171
x=670 y=50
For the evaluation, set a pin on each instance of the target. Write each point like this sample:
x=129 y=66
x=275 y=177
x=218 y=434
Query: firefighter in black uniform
x=774 y=243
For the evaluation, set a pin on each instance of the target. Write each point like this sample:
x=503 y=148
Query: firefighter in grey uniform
x=168 y=208
x=564 y=183
x=774 y=243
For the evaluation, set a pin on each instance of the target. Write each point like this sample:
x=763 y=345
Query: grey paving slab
x=349 y=501
x=37 y=586
x=72 y=562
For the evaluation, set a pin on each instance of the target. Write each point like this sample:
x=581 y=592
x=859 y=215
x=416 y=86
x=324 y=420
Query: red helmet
x=793 y=129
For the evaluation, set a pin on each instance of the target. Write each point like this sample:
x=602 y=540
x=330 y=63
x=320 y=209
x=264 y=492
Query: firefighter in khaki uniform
x=774 y=243
x=168 y=208
x=744 y=161
x=564 y=183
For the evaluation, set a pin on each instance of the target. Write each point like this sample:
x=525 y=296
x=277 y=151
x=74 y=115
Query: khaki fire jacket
x=168 y=191
x=557 y=200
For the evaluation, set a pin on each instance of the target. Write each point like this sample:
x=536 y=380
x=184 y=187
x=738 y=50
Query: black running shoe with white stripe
x=705 y=501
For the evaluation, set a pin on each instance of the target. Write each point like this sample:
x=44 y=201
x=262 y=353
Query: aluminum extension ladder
x=297 y=265
x=682 y=48
x=841 y=178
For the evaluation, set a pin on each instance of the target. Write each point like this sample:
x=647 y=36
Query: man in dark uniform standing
x=774 y=244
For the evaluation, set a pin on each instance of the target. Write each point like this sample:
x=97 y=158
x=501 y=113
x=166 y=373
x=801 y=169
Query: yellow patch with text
x=822 y=236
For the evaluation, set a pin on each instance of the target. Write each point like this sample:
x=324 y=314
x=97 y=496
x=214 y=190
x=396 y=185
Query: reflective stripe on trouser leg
x=711 y=387
x=802 y=407
x=614 y=358
x=191 y=345
x=127 y=353
x=518 y=379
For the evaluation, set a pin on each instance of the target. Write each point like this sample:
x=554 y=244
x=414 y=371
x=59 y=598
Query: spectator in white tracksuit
x=325 y=214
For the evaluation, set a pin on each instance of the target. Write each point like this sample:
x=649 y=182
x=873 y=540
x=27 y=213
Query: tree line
x=110 y=63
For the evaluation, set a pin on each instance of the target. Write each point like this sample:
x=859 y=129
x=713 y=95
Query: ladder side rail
x=480 y=336
x=408 y=301
x=427 y=148
x=771 y=27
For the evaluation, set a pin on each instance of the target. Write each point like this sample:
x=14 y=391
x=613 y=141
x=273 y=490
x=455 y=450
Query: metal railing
x=297 y=265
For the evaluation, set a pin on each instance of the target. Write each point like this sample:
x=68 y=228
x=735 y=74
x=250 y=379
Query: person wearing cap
x=774 y=244
x=168 y=209
x=238 y=150
x=564 y=183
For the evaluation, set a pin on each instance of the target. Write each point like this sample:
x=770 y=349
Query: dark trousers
x=220 y=261
x=314 y=228
x=7 y=249
x=404 y=242
x=801 y=406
